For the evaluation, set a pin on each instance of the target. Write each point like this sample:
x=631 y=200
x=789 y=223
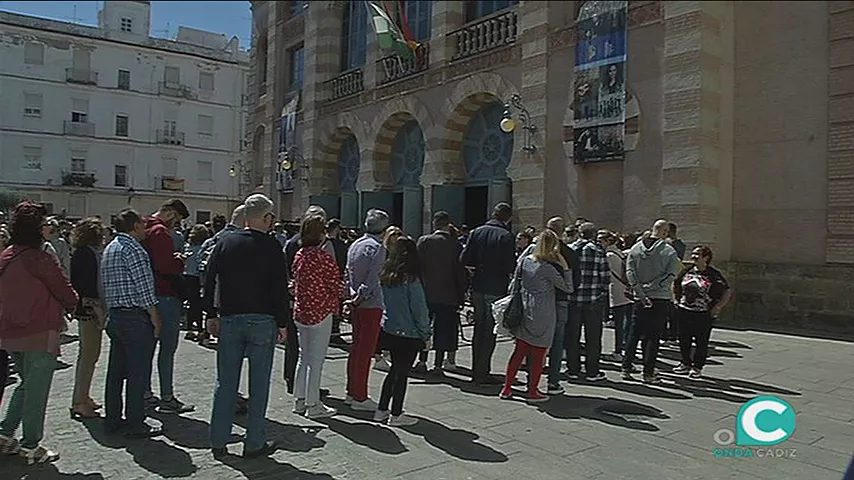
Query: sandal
x=9 y=445
x=39 y=455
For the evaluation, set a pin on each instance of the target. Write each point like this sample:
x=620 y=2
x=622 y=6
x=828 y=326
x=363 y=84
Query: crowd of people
x=249 y=285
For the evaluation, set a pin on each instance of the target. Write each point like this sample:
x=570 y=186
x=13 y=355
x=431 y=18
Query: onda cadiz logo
x=761 y=422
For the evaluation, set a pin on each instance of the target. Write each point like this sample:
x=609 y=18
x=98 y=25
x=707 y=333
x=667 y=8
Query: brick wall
x=793 y=298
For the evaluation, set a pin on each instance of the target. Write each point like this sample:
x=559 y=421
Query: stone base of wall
x=803 y=299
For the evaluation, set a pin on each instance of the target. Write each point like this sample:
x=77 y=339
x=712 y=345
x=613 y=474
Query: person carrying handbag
x=535 y=280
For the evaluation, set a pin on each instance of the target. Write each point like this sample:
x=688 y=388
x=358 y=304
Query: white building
x=95 y=118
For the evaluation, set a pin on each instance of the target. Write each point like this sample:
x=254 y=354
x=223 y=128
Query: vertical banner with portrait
x=599 y=96
x=287 y=137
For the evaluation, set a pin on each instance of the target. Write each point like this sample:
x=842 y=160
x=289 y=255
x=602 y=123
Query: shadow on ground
x=613 y=411
x=458 y=443
x=16 y=468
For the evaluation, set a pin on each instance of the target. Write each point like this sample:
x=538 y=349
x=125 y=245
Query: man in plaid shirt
x=133 y=326
x=587 y=304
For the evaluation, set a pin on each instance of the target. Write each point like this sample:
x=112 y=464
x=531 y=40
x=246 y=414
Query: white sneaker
x=299 y=406
x=402 y=420
x=381 y=416
x=367 y=405
x=320 y=411
x=382 y=365
x=348 y=400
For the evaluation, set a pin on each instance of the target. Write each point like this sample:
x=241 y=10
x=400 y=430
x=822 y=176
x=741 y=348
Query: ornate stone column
x=696 y=187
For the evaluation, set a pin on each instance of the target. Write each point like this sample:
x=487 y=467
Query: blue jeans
x=131 y=345
x=253 y=336
x=622 y=326
x=170 y=309
x=556 y=351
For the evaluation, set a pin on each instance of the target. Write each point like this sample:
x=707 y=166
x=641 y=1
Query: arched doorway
x=349 y=159
x=407 y=163
x=486 y=153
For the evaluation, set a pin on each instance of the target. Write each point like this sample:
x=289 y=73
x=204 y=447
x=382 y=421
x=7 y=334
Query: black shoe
x=175 y=406
x=337 y=341
x=324 y=392
x=144 y=432
x=219 y=453
x=268 y=449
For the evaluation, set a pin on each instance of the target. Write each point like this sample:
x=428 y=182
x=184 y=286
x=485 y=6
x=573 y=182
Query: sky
x=232 y=18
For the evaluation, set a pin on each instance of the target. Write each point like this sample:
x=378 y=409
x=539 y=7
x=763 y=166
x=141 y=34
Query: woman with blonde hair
x=536 y=278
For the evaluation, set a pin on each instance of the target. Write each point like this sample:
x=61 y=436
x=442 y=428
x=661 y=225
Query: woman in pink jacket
x=34 y=295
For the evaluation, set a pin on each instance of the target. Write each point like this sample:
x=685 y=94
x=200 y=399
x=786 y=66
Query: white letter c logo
x=748 y=421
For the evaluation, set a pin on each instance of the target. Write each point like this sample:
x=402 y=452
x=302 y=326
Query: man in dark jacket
x=491 y=252
x=333 y=232
x=444 y=280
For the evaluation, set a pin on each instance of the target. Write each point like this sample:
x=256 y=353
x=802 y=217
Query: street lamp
x=290 y=159
x=508 y=123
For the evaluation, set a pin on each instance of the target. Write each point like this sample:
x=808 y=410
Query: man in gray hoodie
x=651 y=266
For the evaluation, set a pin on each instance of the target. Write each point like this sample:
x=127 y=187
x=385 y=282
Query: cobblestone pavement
x=608 y=430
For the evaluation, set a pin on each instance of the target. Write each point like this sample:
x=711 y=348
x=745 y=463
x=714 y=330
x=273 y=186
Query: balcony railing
x=175 y=90
x=485 y=34
x=394 y=67
x=348 y=83
x=170 y=138
x=81 y=75
x=79 y=129
x=78 y=179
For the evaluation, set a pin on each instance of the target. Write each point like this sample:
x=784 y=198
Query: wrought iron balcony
x=393 y=67
x=348 y=83
x=170 y=138
x=78 y=179
x=79 y=129
x=175 y=90
x=485 y=34
x=81 y=75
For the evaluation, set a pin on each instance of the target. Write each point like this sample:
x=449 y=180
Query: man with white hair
x=651 y=267
x=364 y=262
x=248 y=268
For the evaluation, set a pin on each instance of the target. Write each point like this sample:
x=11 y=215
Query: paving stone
x=609 y=430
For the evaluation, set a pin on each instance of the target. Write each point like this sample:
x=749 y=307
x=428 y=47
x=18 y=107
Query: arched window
x=482 y=8
x=486 y=149
x=349 y=159
x=354 y=48
x=407 y=155
x=419 y=14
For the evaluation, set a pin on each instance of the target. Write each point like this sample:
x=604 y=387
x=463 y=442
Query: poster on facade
x=287 y=138
x=599 y=93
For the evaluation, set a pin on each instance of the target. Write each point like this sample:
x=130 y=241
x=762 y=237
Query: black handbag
x=513 y=314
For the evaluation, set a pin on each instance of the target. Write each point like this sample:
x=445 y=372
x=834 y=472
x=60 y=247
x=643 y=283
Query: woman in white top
x=620 y=295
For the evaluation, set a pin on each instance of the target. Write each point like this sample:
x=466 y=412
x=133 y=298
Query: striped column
x=696 y=186
x=527 y=170
x=322 y=55
x=840 y=137
x=447 y=17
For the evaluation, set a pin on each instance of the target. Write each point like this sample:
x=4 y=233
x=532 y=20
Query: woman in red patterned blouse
x=318 y=287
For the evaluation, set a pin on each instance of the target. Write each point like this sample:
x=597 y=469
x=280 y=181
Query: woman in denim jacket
x=405 y=328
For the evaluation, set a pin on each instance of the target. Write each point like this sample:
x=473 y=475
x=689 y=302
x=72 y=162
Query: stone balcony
x=345 y=84
x=85 y=76
x=485 y=34
x=394 y=67
x=78 y=129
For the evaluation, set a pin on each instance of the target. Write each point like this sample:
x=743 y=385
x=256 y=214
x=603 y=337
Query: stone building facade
x=739 y=128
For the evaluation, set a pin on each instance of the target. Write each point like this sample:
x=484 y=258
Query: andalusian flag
x=389 y=32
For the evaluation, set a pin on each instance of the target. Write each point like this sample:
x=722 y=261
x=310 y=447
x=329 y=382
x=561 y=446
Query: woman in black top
x=87 y=239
